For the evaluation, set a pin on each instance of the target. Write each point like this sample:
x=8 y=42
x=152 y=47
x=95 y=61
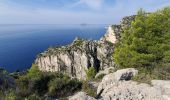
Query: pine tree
x=147 y=42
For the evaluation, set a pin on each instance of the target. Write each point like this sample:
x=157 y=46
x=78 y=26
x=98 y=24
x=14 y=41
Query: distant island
x=83 y=24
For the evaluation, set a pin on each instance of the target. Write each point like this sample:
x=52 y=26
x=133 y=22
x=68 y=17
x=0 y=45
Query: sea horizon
x=21 y=43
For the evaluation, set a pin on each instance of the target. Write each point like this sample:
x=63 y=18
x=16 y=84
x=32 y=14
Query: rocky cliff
x=76 y=58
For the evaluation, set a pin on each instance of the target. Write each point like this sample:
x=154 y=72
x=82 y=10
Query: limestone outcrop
x=118 y=86
x=76 y=58
x=130 y=90
x=114 y=78
x=113 y=32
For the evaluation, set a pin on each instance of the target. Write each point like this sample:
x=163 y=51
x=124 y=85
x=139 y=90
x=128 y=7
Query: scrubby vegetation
x=37 y=85
x=146 y=45
x=91 y=72
x=86 y=87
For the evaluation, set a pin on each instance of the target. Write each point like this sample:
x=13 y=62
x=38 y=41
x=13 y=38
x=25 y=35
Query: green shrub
x=59 y=87
x=23 y=85
x=158 y=73
x=33 y=71
x=100 y=77
x=88 y=89
x=11 y=95
x=91 y=72
x=33 y=97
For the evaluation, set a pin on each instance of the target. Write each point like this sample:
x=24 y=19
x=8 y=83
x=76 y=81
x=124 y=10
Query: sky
x=73 y=11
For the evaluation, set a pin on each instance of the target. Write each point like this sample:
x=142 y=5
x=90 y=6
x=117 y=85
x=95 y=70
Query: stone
x=114 y=78
x=105 y=71
x=81 y=96
x=163 y=86
x=130 y=90
x=125 y=74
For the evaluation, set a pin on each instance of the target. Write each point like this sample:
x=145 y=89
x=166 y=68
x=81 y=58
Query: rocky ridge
x=76 y=58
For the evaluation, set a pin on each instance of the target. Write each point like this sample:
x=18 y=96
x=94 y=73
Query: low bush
x=86 y=87
x=91 y=72
x=60 y=87
x=158 y=73
x=100 y=77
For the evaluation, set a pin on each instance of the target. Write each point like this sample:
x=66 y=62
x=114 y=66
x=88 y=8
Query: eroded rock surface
x=130 y=90
x=118 y=86
x=113 y=32
x=114 y=78
x=81 y=96
x=163 y=86
x=76 y=58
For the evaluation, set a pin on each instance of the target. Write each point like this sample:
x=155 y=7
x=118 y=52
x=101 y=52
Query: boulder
x=114 y=78
x=125 y=74
x=81 y=96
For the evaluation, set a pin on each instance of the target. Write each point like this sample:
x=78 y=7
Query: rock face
x=163 y=87
x=81 y=96
x=76 y=58
x=113 y=33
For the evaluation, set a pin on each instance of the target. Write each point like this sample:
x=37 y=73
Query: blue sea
x=19 y=44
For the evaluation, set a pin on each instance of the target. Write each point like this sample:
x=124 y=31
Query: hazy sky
x=72 y=11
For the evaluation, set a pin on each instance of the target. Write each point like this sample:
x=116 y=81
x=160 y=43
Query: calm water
x=19 y=44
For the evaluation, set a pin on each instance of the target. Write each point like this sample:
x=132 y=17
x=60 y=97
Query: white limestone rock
x=129 y=90
x=76 y=58
x=105 y=71
x=81 y=96
x=162 y=86
x=114 y=78
x=111 y=34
